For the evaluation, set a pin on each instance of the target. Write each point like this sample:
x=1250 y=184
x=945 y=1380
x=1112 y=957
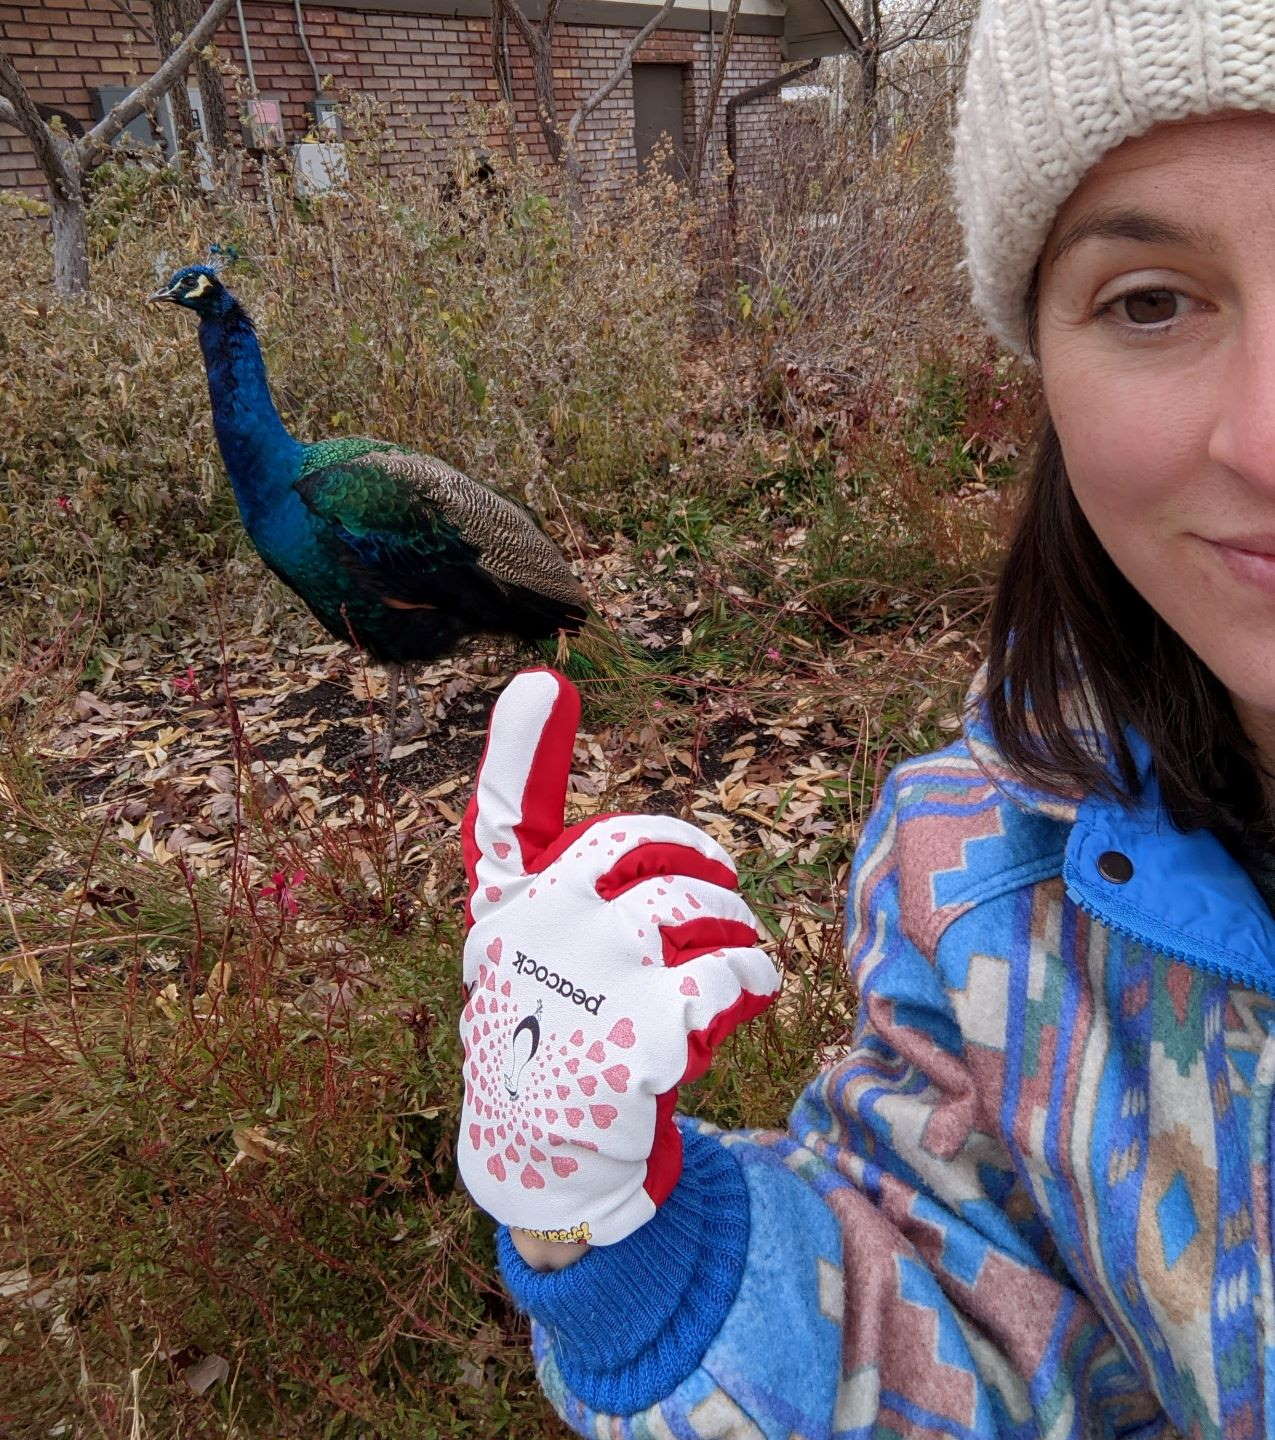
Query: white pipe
x=247 y=49
x=305 y=45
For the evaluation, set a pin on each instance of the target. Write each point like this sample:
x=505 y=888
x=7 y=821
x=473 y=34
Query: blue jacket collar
x=1186 y=896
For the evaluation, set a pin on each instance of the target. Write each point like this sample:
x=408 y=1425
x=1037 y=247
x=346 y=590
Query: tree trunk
x=539 y=41
x=70 y=244
x=870 y=73
x=714 y=92
x=211 y=90
x=168 y=34
x=546 y=101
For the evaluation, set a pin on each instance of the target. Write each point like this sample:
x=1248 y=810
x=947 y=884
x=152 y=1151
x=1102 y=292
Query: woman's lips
x=1251 y=565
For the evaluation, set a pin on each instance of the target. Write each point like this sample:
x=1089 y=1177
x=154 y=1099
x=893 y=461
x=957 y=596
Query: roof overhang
x=814 y=28
x=807 y=28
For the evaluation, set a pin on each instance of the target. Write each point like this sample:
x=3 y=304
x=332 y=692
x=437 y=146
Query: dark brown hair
x=1072 y=615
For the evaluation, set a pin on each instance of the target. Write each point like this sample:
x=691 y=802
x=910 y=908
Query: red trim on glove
x=664 y=1163
x=702 y=1044
x=545 y=798
x=699 y=937
x=646 y=861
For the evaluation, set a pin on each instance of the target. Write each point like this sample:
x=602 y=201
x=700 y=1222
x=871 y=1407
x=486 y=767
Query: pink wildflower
x=187 y=684
x=64 y=503
x=774 y=655
x=282 y=888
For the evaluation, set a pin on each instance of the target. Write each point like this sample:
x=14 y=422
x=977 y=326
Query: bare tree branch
x=500 y=53
x=714 y=90
x=106 y=129
x=589 y=105
x=212 y=92
x=530 y=37
x=913 y=32
x=8 y=115
x=168 y=32
x=128 y=11
x=47 y=146
x=539 y=41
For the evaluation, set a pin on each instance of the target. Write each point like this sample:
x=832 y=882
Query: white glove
x=605 y=964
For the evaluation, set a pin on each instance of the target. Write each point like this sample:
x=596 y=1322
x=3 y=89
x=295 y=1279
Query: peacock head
x=197 y=288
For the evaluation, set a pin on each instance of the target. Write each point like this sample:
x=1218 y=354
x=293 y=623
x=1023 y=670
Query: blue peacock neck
x=261 y=457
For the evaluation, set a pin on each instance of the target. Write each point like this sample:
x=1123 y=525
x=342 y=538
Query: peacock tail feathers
x=595 y=652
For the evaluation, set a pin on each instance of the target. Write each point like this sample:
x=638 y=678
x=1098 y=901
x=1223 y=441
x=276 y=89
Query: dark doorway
x=658 y=100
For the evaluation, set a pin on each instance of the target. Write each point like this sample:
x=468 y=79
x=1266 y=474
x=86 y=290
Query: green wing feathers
x=368 y=487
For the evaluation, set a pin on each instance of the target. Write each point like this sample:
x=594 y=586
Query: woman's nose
x=1243 y=437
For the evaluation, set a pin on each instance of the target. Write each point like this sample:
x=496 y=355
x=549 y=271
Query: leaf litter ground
x=182 y=756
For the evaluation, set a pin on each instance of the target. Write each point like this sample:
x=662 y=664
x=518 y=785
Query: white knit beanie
x=1053 y=85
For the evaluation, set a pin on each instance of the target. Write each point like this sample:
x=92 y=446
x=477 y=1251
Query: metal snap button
x=1114 y=866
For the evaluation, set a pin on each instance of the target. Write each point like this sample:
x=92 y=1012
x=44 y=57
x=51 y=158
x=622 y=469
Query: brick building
x=428 y=60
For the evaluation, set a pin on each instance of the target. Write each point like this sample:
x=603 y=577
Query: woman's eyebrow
x=1131 y=225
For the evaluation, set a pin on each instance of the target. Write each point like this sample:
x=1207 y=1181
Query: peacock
x=390 y=548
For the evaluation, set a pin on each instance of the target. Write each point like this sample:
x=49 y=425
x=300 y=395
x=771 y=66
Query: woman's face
x=1156 y=334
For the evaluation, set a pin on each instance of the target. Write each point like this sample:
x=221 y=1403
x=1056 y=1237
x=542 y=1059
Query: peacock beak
x=163 y=295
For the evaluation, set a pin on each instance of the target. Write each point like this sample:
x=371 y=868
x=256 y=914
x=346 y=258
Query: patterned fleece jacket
x=1031 y=1199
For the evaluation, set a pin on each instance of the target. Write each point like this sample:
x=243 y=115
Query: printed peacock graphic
x=391 y=549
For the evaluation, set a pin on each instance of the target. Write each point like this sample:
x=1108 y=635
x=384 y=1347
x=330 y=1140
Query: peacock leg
x=391 y=719
x=415 y=715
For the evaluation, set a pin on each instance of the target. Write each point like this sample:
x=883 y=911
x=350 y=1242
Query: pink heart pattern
x=622 y=1034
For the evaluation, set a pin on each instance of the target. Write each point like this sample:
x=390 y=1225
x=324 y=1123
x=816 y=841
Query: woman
x=1033 y=1199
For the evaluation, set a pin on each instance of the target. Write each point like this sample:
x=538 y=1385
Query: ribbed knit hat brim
x=1052 y=85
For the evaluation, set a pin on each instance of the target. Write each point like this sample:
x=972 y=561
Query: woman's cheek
x=1136 y=469
x=1111 y=451
x=1135 y=447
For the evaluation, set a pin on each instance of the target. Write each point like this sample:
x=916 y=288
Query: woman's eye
x=1146 y=309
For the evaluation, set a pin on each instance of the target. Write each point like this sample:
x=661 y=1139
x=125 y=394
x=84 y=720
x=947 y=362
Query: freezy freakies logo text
x=525 y=965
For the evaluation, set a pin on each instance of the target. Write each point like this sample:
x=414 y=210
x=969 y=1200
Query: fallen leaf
x=206 y=1372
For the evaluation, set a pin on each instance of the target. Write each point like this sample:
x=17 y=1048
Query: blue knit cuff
x=629 y=1322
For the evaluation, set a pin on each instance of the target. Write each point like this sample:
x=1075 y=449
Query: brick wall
x=425 y=69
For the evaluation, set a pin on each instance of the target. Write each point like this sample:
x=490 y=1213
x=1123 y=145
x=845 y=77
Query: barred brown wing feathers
x=513 y=549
